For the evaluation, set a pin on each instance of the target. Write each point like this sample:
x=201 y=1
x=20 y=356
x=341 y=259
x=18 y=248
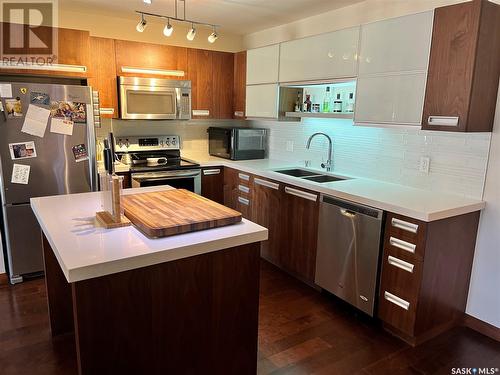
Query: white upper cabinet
x=390 y=99
x=325 y=56
x=262 y=65
x=396 y=45
x=262 y=101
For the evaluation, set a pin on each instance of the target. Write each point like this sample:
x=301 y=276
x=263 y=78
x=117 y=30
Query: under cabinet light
x=161 y=72
x=52 y=67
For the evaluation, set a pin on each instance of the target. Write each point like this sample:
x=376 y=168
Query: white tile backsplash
x=458 y=161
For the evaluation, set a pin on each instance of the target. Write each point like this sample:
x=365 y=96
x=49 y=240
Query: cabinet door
x=212 y=184
x=262 y=64
x=300 y=235
x=231 y=188
x=103 y=75
x=325 y=56
x=390 y=99
x=240 y=81
x=267 y=207
x=200 y=67
x=396 y=45
x=262 y=101
x=222 y=78
x=150 y=56
x=73 y=49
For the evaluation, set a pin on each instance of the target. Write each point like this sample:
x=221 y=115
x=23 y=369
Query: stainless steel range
x=156 y=160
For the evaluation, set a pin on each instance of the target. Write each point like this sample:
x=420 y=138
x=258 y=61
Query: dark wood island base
x=197 y=315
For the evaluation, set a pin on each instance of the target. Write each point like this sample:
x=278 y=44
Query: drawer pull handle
x=244 y=177
x=265 y=183
x=209 y=172
x=442 y=120
x=244 y=201
x=301 y=194
x=396 y=262
x=244 y=189
x=404 y=225
x=403 y=245
x=396 y=300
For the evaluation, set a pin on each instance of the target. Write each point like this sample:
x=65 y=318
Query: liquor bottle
x=349 y=107
x=297 y=102
x=307 y=104
x=337 y=104
x=327 y=101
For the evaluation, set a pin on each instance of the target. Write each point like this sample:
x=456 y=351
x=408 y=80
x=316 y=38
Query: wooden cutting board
x=171 y=212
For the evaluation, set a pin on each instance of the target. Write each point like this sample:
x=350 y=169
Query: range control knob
x=173 y=142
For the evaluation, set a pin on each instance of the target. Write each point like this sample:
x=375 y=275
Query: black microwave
x=237 y=143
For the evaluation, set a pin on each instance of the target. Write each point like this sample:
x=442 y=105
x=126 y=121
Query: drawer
x=244 y=206
x=406 y=228
x=244 y=190
x=399 y=290
x=244 y=178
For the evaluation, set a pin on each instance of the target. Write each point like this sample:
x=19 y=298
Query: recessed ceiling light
x=148 y=2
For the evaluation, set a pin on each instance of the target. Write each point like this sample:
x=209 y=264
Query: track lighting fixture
x=169 y=29
x=142 y=24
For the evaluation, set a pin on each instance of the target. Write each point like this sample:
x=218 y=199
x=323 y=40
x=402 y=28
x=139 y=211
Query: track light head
x=142 y=24
x=168 y=29
x=213 y=37
x=191 y=33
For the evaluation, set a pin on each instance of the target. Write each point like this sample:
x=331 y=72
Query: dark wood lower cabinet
x=267 y=211
x=426 y=269
x=299 y=235
x=212 y=184
x=197 y=315
x=127 y=180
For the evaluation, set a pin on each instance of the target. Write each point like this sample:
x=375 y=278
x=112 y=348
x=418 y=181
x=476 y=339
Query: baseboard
x=482 y=327
x=4 y=279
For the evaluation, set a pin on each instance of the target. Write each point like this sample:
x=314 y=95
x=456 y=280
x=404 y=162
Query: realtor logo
x=29 y=32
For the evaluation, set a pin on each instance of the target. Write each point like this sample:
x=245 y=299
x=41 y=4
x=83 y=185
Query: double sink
x=309 y=175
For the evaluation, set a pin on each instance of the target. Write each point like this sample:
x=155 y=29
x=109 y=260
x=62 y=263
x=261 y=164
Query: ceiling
x=234 y=16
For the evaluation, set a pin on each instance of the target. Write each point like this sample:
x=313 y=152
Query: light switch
x=289 y=146
x=424 y=165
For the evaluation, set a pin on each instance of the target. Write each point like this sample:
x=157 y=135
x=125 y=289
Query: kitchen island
x=174 y=305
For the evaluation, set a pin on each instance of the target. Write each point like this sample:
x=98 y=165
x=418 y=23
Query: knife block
x=111 y=202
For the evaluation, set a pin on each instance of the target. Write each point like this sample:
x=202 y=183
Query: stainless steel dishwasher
x=347 y=261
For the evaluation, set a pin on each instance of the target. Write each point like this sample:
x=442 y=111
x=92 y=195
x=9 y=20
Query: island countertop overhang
x=86 y=251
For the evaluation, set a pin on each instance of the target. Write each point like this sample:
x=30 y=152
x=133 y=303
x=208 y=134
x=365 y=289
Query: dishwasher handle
x=351 y=209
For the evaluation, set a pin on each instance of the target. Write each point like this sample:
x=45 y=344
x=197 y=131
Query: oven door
x=189 y=179
x=148 y=102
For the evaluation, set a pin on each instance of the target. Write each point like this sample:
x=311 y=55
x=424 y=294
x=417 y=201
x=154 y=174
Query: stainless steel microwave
x=154 y=99
x=237 y=143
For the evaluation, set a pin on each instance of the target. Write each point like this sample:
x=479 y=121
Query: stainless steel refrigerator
x=64 y=162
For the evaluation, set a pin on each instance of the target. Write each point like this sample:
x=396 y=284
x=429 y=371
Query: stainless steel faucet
x=329 y=163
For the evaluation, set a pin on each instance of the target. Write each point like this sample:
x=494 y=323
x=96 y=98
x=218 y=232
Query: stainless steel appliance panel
x=24 y=235
x=349 y=238
x=54 y=170
x=189 y=179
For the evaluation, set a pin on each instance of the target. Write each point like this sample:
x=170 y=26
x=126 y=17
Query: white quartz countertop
x=84 y=250
x=419 y=204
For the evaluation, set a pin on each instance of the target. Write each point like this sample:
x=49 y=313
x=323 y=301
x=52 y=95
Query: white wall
x=484 y=294
x=357 y=14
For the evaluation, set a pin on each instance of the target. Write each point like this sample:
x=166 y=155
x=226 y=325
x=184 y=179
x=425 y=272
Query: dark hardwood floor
x=301 y=332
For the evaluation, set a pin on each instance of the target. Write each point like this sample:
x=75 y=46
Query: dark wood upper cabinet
x=240 y=82
x=200 y=68
x=464 y=67
x=103 y=73
x=150 y=56
x=223 y=79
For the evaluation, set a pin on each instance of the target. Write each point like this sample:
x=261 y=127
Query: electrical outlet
x=289 y=146
x=424 y=165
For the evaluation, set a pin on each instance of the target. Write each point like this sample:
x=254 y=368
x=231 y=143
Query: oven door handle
x=159 y=176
